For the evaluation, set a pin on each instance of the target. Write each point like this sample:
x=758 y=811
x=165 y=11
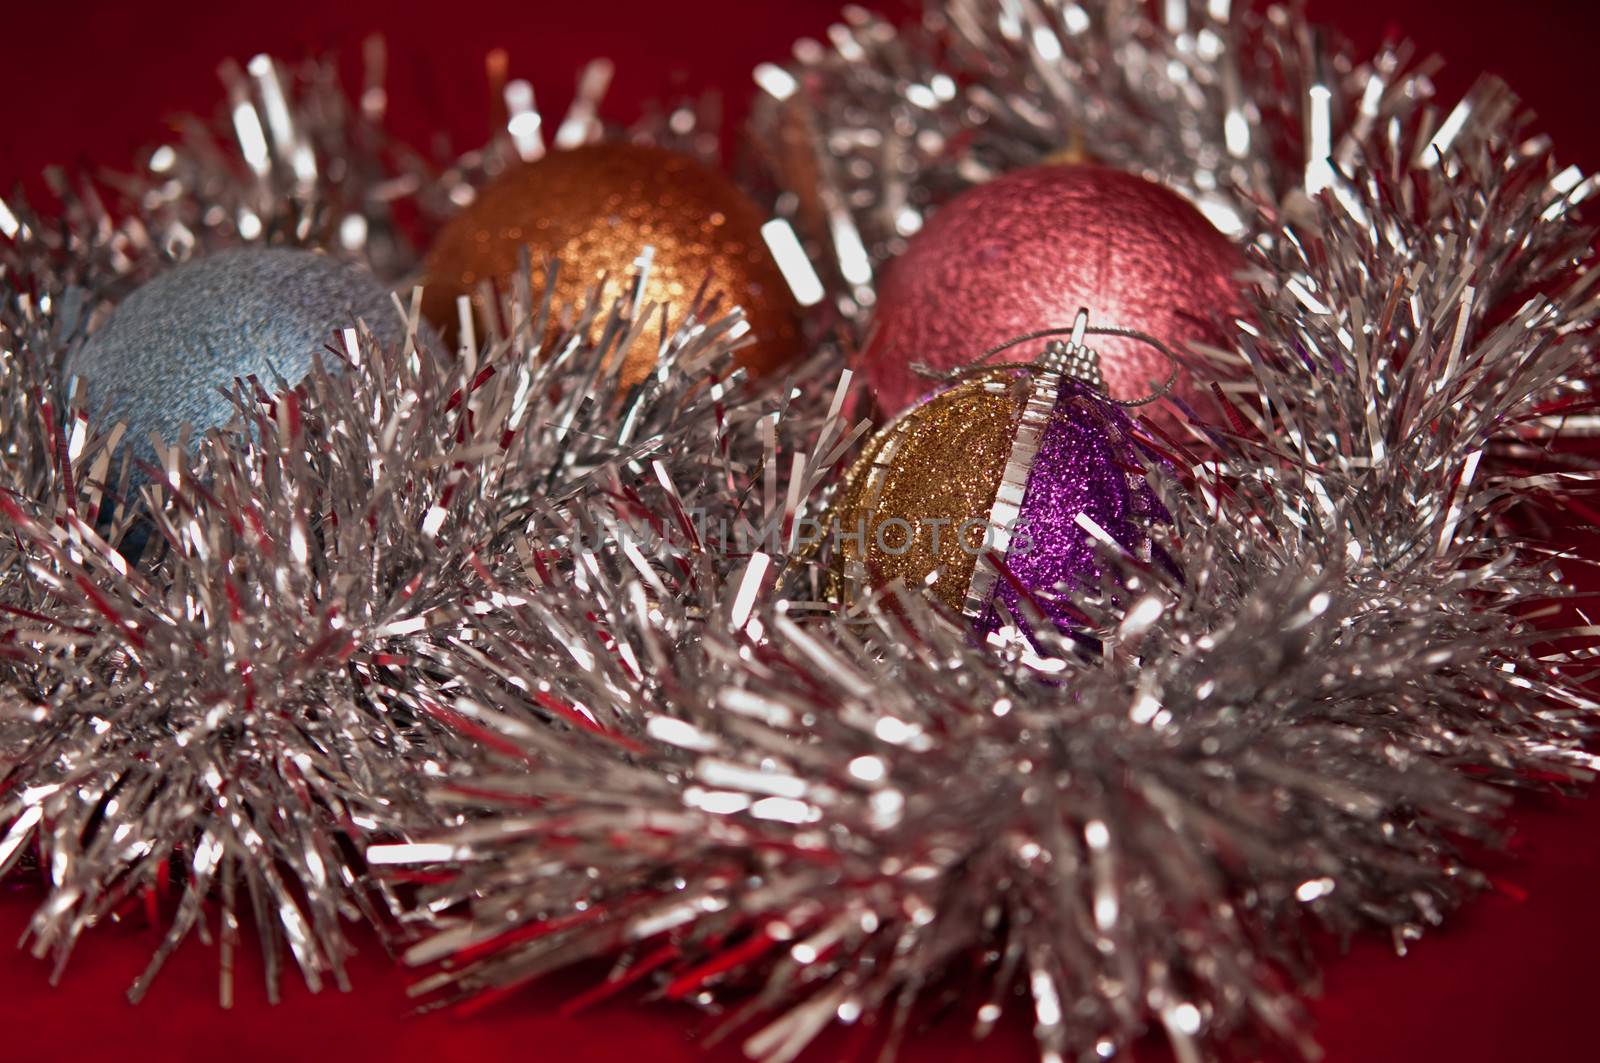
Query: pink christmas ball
x=1025 y=251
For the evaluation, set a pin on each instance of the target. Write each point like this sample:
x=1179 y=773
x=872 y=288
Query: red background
x=1511 y=978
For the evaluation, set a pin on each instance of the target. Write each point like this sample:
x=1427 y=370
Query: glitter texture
x=594 y=209
x=1025 y=251
x=934 y=468
x=941 y=464
x=171 y=349
x=1086 y=465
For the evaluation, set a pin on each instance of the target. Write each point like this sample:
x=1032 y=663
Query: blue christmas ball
x=169 y=351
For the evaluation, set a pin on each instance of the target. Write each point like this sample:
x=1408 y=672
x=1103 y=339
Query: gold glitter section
x=935 y=467
x=594 y=209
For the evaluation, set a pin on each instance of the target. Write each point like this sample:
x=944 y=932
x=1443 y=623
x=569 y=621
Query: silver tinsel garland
x=229 y=712
x=567 y=650
x=219 y=721
x=801 y=817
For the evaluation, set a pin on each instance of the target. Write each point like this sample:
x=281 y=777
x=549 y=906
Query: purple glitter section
x=1088 y=462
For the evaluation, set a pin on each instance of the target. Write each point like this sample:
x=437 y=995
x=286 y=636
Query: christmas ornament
x=1034 y=246
x=171 y=350
x=594 y=209
x=1020 y=468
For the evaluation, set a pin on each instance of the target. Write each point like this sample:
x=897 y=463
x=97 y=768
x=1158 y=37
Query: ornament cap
x=1081 y=362
x=1074 y=358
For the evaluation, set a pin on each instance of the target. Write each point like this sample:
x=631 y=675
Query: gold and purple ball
x=1009 y=465
x=172 y=348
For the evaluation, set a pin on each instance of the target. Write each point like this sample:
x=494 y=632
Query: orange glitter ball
x=593 y=209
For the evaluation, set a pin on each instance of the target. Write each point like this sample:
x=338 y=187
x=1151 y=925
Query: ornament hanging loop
x=1082 y=363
